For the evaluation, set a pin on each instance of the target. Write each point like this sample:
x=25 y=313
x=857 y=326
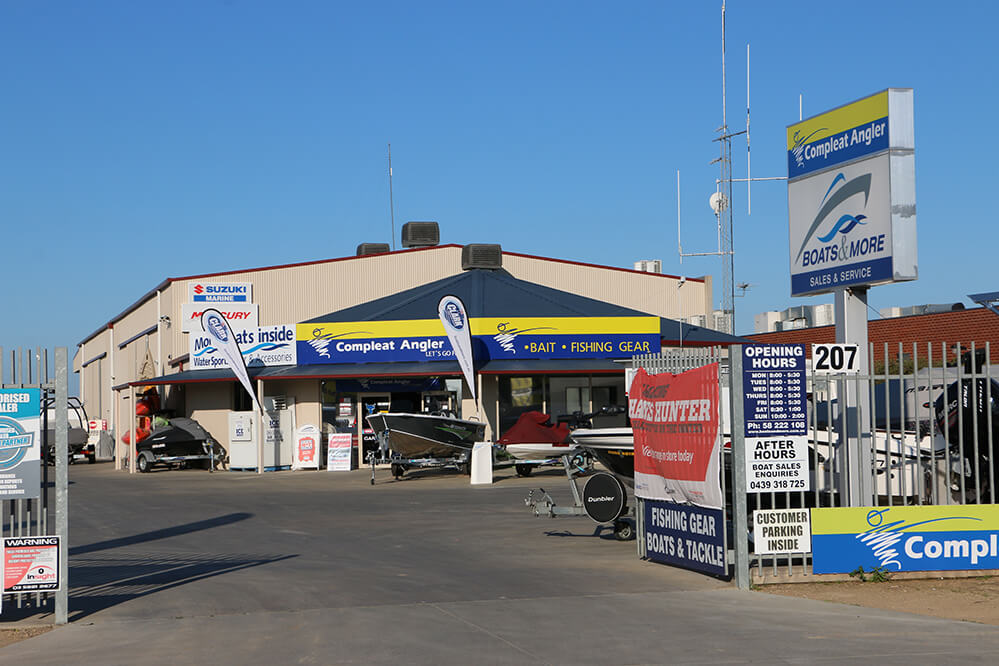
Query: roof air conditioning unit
x=481 y=255
x=420 y=234
x=372 y=248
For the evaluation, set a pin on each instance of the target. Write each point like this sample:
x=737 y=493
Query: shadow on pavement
x=164 y=533
x=105 y=580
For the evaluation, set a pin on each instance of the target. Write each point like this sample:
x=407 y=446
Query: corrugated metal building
x=147 y=339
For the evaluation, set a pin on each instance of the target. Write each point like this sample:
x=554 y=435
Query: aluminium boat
x=427 y=435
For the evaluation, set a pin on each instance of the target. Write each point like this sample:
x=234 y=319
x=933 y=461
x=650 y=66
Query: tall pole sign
x=851 y=198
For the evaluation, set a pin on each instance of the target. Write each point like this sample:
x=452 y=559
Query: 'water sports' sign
x=905 y=538
x=20 y=443
x=492 y=338
x=263 y=346
x=677 y=438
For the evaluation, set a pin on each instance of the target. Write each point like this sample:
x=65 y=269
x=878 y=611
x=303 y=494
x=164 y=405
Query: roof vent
x=420 y=234
x=481 y=255
x=372 y=248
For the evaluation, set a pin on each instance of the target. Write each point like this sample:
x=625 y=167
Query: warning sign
x=782 y=531
x=30 y=564
x=777 y=463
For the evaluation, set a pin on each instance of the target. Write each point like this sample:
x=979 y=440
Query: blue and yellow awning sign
x=492 y=338
x=841 y=135
x=905 y=538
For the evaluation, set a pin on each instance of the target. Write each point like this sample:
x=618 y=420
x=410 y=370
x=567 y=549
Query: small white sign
x=777 y=463
x=338 y=453
x=782 y=531
x=835 y=359
x=240 y=428
x=241 y=316
x=307 y=449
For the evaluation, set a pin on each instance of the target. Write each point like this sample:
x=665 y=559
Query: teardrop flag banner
x=217 y=328
x=455 y=319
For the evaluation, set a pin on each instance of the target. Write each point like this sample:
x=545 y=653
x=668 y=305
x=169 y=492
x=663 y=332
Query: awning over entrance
x=574 y=366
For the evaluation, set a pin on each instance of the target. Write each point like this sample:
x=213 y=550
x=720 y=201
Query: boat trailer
x=399 y=465
x=603 y=499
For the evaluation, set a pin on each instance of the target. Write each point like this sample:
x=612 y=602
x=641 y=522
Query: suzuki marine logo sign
x=220 y=292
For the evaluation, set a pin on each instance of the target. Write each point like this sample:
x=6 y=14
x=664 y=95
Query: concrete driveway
x=317 y=567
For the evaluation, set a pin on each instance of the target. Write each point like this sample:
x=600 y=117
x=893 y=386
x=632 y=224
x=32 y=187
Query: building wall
x=942 y=330
x=294 y=293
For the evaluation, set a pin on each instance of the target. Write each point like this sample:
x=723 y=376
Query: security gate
x=48 y=514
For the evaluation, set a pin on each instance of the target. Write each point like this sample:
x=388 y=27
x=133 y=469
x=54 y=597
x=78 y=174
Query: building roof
x=496 y=293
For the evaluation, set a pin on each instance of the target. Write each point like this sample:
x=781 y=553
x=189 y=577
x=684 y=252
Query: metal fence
x=47 y=514
x=929 y=426
x=927 y=422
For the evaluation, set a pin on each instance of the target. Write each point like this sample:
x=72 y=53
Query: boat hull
x=538 y=450
x=427 y=435
x=614 y=448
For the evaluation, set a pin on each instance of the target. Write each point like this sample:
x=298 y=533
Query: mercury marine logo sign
x=217 y=327
x=454 y=315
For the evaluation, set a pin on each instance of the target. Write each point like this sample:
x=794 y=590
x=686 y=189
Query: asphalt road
x=317 y=567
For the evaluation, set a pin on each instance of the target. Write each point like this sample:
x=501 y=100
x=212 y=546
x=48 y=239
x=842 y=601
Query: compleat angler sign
x=20 y=445
x=492 y=338
x=264 y=346
x=215 y=292
x=685 y=536
x=900 y=538
x=851 y=195
x=846 y=133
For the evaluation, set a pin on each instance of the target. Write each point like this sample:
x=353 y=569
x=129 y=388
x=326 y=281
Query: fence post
x=740 y=518
x=62 y=481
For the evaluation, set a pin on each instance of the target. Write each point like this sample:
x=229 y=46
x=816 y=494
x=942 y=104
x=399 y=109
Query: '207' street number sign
x=828 y=359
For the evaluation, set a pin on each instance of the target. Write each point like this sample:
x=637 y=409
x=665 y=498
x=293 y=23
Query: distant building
x=936 y=334
x=649 y=266
x=798 y=317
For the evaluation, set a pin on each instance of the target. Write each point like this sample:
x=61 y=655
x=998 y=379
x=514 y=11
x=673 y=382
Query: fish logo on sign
x=846 y=223
x=15 y=442
x=798 y=147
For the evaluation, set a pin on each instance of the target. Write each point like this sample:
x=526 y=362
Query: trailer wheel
x=524 y=470
x=465 y=468
x=398 y=470
x=623 y=530
x=142 y=463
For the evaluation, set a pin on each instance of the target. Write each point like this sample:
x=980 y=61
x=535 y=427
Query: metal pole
x=62 y=481
x=740 y=518
x=851 y=327
x=262 y=418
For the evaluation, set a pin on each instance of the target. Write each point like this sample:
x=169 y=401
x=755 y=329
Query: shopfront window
x=518 y=395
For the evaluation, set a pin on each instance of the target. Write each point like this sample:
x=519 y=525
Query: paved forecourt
x=324 y=568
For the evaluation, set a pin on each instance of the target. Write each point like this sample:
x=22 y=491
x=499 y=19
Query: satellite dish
x=718 y=202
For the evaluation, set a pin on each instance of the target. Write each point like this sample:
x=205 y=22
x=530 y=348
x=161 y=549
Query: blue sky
x=149 y=140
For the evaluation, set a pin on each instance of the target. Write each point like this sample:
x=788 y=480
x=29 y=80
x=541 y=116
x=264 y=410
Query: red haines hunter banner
x=677 y=438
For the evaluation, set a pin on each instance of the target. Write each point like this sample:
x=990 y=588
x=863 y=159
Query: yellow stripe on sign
x=481 y=326
x=839 y=120
x=854 y=520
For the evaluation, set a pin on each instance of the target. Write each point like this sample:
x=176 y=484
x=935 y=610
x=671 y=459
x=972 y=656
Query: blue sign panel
x=685 y=536
x=774 y=395
x=905 y=538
